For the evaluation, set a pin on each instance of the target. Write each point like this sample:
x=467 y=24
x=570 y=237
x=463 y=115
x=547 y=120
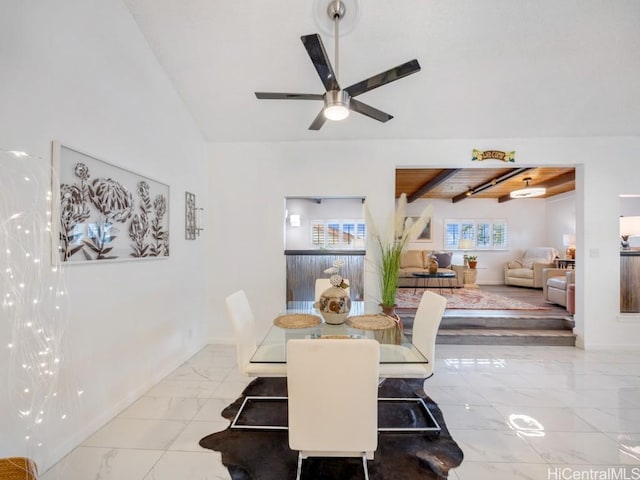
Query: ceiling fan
x=338 y=101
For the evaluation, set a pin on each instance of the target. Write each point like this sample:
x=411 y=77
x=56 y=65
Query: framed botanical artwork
x=425 y=235
x=105 y=212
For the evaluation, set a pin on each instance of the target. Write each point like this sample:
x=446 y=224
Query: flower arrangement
x=336 y=279
x=392 y=244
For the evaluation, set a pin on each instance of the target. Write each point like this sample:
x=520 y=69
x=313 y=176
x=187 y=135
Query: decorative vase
x=473 y=263
x=432 y=265
x=334 y=305
x=390 y=311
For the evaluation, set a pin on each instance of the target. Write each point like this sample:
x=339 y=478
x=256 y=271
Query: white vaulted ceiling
x=490 y=68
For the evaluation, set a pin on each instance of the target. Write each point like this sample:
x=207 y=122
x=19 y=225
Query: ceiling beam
x=433 y=183
x=490 y=184
x=552 y=182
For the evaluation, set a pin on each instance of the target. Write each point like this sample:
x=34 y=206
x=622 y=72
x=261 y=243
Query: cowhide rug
x=265 y=455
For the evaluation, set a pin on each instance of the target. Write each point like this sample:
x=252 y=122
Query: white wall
x=561 y=220
x=630 y=207
x=251 y=181
x=80 y=72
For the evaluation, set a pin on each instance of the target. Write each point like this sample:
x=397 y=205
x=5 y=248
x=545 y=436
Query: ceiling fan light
x=336 y=105
x=336 y=112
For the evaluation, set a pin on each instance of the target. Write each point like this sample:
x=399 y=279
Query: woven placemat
x=297 y=320
x=371 y=322
x=17 y=468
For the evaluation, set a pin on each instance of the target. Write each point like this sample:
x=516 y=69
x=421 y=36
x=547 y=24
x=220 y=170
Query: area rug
x=265 y=454
x=466 y=299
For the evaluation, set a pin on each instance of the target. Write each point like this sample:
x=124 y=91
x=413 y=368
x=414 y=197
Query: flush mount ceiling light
x=338 y=101
x=528 y=191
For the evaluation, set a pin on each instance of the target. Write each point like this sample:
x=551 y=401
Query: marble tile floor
x=539 y=413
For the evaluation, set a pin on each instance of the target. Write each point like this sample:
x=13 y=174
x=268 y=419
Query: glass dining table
x=395 y=347
x=395 y=413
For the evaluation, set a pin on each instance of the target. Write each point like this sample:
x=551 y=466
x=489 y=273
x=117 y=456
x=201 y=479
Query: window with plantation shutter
x=338 y=234
x=317 y=234
x=483 y=234
x=500 y=238
x=333 y=234
x=483 y=238
x=452 y=235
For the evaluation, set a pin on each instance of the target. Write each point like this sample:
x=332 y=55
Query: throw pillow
x=443 y=258
x=411 y=259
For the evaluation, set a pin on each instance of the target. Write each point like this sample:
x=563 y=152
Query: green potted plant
x=391 y=245
x=472 y=260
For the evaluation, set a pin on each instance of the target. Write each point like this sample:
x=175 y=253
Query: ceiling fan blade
x=318 y=121
x=315 y=49
x=288 y=96
x=369 y=111
x=383 y=78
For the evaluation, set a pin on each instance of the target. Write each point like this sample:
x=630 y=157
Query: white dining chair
x=333 y=398
x=241 y=315
x=425 y=330
x=322 y=284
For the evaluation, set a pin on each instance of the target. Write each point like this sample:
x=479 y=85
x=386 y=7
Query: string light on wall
x=192 y=217
x=32 y=301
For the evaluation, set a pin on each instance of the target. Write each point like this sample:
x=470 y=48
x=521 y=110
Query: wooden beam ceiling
x=484 y=182
x=490 y=184
x=434 y=182
x=554 y=182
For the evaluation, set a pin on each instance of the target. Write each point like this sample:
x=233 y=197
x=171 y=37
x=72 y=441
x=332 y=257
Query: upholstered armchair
x=555 y=288
x=527 y=271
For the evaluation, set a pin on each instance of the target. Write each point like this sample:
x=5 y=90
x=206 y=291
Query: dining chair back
x=333 y=398
x=426 y=325
x=423 y=336
x=322 y=284
x=239 y=310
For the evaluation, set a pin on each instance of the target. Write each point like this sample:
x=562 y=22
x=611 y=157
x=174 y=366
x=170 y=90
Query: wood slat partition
x=304 y=266
x=630 y=282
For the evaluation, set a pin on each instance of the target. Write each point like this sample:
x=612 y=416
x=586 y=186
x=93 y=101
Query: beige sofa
x=555 y=285
x=527 y=271
x=418 y=260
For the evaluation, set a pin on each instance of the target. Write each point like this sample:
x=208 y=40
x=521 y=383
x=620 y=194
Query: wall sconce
x=629 y=227
x=294 y=220
x=192 y=217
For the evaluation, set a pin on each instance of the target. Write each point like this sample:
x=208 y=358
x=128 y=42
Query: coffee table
x=440 y=276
